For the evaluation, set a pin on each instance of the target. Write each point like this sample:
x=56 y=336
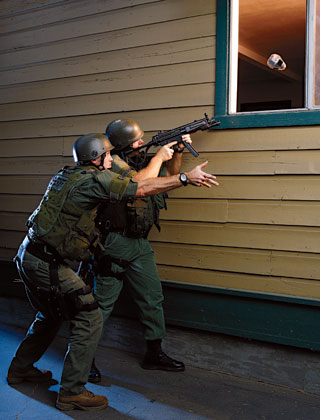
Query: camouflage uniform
x=63 y=227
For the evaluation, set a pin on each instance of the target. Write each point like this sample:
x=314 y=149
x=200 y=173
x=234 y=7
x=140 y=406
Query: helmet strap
x=103 y=156
x=99 y=165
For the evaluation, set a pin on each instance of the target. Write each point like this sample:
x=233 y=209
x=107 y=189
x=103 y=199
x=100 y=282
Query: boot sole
x=74 y=406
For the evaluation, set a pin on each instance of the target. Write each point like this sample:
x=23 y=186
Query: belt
x=42 y=251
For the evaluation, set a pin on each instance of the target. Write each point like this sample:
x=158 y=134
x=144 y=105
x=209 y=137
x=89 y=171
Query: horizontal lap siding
x=47 y=12
x=261 y=230
x=69 y=67
x=99 y=23
x=166 y=53
x=111 y=102
x=101 y=83
x=83 y=64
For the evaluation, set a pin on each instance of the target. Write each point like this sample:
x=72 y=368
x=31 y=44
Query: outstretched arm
x=196 y=177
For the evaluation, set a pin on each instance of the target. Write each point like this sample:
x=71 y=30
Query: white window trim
x=310 y=59
x=234 y=50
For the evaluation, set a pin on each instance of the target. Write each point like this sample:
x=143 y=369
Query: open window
x=271 y=62
x=274 y=55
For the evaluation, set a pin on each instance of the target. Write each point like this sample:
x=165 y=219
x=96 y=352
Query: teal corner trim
x=269 y=119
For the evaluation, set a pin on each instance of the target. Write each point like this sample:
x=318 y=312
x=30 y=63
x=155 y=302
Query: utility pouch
x=52 y=304
x=140 y=218
x=73 y=301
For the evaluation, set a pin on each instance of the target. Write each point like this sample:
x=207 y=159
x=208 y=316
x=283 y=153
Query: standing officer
x=61 y=231
x=128 y=255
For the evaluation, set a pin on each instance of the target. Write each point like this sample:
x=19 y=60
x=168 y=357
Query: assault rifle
x=163 y=138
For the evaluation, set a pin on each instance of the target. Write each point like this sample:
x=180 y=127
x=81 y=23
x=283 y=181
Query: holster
x=51 y=301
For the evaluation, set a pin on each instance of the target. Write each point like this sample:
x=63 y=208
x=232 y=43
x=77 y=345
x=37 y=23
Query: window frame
x=279 y=118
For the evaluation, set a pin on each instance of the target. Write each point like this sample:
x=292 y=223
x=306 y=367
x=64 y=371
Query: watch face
x=183 y=179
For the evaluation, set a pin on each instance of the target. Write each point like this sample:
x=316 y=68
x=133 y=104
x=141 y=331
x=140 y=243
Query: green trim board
x=277 y=319
x=272 y=318
x=274 y=119
x=263 y=119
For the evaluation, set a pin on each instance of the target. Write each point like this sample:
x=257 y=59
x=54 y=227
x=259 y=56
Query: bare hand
x=187 y=139
x=165 y=153
x=199 y=178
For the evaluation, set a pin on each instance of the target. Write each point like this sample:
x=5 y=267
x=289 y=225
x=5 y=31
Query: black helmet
x=122 y=133
x=90 y=147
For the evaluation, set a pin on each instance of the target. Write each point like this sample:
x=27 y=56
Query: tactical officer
x=61 y=231
x=125 y=226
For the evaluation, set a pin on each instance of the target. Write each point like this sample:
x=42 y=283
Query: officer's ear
x=96 y=161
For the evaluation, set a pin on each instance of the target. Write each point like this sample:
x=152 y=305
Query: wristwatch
x=183 y=179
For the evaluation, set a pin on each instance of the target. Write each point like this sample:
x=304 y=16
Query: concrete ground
x=134 y=393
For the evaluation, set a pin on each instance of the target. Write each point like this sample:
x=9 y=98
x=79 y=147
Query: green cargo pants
x=85 y=328
x=141 y=277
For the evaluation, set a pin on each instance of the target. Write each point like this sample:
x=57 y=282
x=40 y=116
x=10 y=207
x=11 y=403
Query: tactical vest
x=143 y=213
x=59 y=222
x=132 y=218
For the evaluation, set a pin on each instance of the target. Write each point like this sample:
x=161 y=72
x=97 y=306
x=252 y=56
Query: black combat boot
x=156 y=359
x=94 y=375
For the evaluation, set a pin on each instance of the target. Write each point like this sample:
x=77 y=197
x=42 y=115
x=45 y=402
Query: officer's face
x=137 y=143
x=107 y=161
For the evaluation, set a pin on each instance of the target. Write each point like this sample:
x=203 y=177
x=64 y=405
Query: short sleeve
x=117 y=185
x=121 y=167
